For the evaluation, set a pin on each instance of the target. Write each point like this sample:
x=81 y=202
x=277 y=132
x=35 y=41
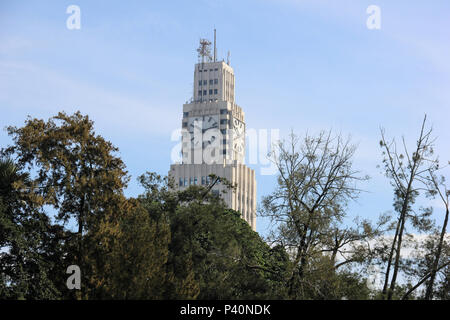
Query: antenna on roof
x=204 y=50
x=215 y=48
x=228 y=58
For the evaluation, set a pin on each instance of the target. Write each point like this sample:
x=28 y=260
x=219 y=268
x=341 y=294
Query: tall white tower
x=213 y=136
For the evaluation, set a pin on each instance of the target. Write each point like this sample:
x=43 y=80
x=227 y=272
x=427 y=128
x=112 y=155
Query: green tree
x=213 y=253
x=315 y=182
x=422 y=267
x=406 y=171
x=443 y=289
x=133 y=267
x=437 y=187
x=78 y=174
x=30 y=245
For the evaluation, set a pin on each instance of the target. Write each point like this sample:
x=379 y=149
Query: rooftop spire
x=215 y=48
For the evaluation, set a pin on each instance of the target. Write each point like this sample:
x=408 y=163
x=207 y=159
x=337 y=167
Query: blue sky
x=301 y=65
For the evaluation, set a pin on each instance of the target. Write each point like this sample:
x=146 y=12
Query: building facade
x=213 y=137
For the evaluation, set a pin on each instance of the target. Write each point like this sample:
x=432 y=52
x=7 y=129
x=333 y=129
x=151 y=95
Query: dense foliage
x=62 y=203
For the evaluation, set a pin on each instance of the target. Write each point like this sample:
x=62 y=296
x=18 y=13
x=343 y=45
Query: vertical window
x=199 y=82
x=210 y=91
x=203 y=180
x=180 y=182
x=190 y=181
x=216 y=81
x=205 y=82
x=211 y=81
x=185 y=181
x=199 y=92
x=195 y=181
x=204 y=92
x=215 y=91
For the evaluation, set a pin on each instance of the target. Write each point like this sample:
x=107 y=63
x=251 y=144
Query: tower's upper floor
x=213 y=81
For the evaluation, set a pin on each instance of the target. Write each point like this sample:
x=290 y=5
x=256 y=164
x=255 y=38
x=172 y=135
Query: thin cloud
x=36 y=89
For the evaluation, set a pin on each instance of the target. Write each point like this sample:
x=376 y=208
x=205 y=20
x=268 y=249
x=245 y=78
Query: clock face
x=195 y=122
x=195 y=125
x=210 y=130
x=210 y=122
x=204 y=124
x=238 y=136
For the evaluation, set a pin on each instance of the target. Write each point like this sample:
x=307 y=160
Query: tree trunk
x=429 y=291
x=399 y=247
x=391 y=254
x=400 y=232
x=406 y=295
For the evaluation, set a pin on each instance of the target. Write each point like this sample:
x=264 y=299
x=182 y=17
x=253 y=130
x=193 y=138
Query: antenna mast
x=215 y=48
x=204 y=50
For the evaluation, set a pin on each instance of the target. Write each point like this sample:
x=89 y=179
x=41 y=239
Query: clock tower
x=213 y=136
